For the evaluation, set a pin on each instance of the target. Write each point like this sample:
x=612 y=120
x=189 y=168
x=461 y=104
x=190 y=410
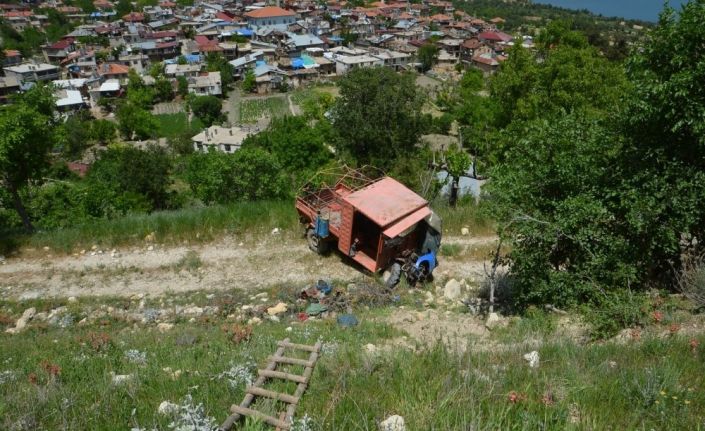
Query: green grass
x=656 y=383
x=252 y=110
x=206 y=224
x=172 y=125
x=194 y=224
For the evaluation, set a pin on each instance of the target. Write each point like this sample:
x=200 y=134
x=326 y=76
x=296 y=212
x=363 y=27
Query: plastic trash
x=347 y=320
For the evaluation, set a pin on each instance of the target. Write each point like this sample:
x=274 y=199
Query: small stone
x=495 y=321
x=273 y=318
x=46 y=249
x=393 y=423
x=165 y=327
x=72 y=299
x=275 y=231
x=261 y=295
x=452 y=290
x=193 y=311
x=532 y=358
x=121 y=379
x=94 y=247
x=370 y=348
x=150 y=248
x=167 y=409
x=289 y=329
x=254 y=321
x=82 y=321
x=277 y=309
x=465 y=231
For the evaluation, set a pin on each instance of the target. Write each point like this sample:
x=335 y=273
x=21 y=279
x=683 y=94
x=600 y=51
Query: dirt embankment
x=224 y=264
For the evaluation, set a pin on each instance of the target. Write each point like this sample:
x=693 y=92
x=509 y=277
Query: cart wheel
x=315 y=243
x=394 y=275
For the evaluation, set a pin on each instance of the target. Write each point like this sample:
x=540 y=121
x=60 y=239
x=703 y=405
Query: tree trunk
x=454 y=186
x=19 y=206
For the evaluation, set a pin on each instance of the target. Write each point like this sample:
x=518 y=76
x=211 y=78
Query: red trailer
x=376 y=221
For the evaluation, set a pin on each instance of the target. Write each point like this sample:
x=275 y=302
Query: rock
x=275 y=231
x=277 y=309
x=452 y=290
x=533 y=359
x=465 y=231
x=94 y=247
x=165 y=327
x=429 y=298
x=273 y=318
x=167 y=409
x=247 y=307
x=121 y=379
x=261 y=295
x=72 y=299
x=193 y=311
x=46 y=248
x=393 y=423
x=495 y=321
x=289 y=329
x=150 y=248
x=254 y=321
x=151 y=237
x=21 y=323
x=370 y=348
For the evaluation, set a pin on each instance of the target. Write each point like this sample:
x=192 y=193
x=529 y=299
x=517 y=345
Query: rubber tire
x=316 y=244
x=394 y=275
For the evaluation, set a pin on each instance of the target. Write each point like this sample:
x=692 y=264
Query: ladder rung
x=298 y=346
x=286 y=376
x=291 y=361
x=259 y=415
x=271 y=394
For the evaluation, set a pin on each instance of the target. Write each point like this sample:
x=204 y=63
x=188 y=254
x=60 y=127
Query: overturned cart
x=373 y=219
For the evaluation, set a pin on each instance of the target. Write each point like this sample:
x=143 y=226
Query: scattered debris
x=393 y=423
x=121 y=379
x=347 y=320
x=136 y=357
x=277 y=309
x=165 y=327
x=167 y=408
x=239 y=374
x=191 y=417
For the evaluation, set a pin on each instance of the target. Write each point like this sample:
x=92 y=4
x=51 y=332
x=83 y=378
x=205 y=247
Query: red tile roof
x=17 y=14
x=495 y=36
x=12 y=53
x=269 y=12
x=113 y=69
x=224 y=16
x=133 y=17
x=62 y=44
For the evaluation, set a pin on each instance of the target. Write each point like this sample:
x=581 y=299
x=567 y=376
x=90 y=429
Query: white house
x=270 y=16
x=345 y=63
x=227 y=140
x=205 y=85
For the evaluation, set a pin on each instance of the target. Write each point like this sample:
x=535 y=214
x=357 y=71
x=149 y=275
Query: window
x=227 y=148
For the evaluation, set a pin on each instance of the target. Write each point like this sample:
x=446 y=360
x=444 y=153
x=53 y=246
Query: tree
x=135 y=122
x=248 y=174
x=428 y=56
x=103 y=131
x=163 y=90
x=129 y=169
x=207 y=108
x=123 y=8
x=377 y=117
x=182 y=85
x=249 y=83
x=298 y=147
x=215 y=62
x=26 y=136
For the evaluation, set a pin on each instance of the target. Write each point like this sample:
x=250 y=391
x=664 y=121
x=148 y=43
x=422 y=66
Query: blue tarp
x=297 y=63
x=245 y=32
x=259 y=63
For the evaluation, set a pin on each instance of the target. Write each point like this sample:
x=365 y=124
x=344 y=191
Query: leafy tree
x=428 y=56
x=75 y=136
x=123 y=7
x=215 y=62
x=182 y=86
x=163 y=90
x=377 y=119
x=135 y=122
x=181 y=60
x=129 y=169
x=298 y=147
x=156 y=70
x=249 y=82
x=207 y=108
x=26 y=136
x=103 y=131
x=248 y=174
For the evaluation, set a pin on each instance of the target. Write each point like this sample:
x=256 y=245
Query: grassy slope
x=172 y=125
x=205 y=224
x=653 y=384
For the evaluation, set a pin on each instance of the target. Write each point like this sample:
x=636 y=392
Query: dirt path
x=224 y=264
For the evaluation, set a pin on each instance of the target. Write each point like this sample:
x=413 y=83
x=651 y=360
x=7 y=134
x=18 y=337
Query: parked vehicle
x=374 y=220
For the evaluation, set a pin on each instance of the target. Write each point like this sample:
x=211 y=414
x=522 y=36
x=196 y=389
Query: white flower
x=136 y=357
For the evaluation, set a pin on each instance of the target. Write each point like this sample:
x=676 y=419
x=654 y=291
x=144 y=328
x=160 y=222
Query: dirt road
x=225 y=264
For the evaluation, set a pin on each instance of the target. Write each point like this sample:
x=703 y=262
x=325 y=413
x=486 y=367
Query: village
x=291 y=46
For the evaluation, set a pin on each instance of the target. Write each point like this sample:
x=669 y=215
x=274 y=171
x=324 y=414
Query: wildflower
x=515 y=397
x=674 y=328
x=686 y=402
x=239 y=374
x=663 y=393
x=657 y=402
x=693 y=345
x=674 y=397
x=547 y=399
x=52 y=369
x=657 y=316
x=32 y=378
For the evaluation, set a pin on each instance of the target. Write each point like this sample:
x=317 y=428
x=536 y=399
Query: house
x=12 y=58
x=468 y=47
x=486 y=61
x=345 y=63
x=268 y=78
x=9 y=85
x=57 y=52
x=207 y=84
x=69 y=100
x=297 y=43
x=392 y=59
x=240 y=65
x=31 y=72
x=113 y=71
x=270 y=16
x=216 y=138
x=187 y=70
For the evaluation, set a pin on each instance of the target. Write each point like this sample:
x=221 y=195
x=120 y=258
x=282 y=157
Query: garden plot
x=252 y=110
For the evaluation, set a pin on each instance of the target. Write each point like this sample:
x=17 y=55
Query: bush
x=690 y=280
x=207 y=108
x=248 y=174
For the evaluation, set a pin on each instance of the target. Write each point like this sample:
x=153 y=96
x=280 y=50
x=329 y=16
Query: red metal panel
x=385 y=201
x=345 y=232
x=406 y=222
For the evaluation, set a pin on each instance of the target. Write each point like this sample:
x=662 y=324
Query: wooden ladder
x=283 y=422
